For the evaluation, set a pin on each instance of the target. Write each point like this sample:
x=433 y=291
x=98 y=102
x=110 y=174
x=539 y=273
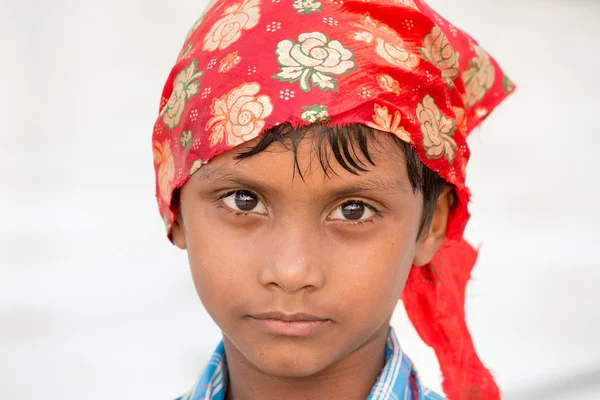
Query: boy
x=336 y=133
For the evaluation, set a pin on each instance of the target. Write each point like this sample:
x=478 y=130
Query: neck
x=350 y=378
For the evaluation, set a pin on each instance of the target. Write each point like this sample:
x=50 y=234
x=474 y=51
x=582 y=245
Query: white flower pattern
x=238 y=116
x=228 y=29
x=388 y=44
x=313 y=60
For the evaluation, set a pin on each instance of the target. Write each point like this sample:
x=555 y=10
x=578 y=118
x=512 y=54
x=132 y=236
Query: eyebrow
x=371 y=184
x=226 y=174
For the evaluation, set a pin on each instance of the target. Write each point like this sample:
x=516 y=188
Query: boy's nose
x=292 y=262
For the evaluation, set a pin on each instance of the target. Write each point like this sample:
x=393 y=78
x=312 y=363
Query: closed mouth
x=296 y=325
x=295 y=317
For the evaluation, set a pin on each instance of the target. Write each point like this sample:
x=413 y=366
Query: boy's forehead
x=274 y=169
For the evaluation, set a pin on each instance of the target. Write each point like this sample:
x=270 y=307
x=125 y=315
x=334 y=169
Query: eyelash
x=376 y=212
x=228 y=211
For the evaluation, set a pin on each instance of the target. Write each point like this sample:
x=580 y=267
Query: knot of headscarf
x=394 y=65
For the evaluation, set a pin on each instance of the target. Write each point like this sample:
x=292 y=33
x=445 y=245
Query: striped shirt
x=398 y=379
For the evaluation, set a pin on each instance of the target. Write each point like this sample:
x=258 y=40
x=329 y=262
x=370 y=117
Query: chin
x=295 y=362
x=290 y=368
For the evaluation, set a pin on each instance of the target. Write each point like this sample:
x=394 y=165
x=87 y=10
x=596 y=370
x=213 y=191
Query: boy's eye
x=353 y=210
x=244 y=201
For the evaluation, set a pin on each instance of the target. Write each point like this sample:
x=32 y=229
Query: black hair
x=350 y=148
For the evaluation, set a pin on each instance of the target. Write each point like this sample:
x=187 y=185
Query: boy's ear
x=431 y=241
x=177 y=231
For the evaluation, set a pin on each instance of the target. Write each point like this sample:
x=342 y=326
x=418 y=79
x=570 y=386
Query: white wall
x=94 y=302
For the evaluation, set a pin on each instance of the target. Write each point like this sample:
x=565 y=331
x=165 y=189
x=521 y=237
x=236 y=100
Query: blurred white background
x=96 y=304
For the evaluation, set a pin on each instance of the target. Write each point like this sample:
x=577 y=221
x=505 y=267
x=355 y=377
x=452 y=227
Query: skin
x=296 y=251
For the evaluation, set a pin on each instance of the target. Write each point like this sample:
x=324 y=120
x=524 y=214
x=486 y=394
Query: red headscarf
x=394 y=65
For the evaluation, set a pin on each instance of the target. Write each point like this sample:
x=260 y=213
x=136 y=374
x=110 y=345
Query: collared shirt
x=398 y=379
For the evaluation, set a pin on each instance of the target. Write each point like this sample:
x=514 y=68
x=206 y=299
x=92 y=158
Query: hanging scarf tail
x=436 y=292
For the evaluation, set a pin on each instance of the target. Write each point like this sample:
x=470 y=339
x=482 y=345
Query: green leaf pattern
x=314 y=113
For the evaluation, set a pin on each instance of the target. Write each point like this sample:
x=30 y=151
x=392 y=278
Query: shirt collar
x=398 y=379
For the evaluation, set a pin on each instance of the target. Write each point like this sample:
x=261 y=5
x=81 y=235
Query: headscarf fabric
x=393 y=65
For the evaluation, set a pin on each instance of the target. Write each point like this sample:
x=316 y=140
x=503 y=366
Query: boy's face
x=300 y=273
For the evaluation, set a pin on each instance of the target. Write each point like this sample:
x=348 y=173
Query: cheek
x=372 y=275
x=221 y=266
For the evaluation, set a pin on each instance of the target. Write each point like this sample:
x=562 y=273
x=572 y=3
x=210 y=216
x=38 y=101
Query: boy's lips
x=297 y=324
